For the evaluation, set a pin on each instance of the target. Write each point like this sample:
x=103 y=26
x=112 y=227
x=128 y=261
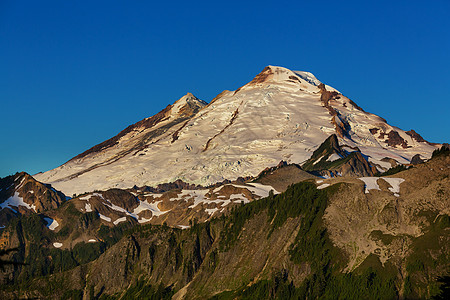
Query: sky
x=75 y=73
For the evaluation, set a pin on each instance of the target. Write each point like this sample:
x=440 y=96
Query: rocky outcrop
x=353 y=165
x=164 y=187
x=114 y=270
x=22 y=194
x=417 y=137
x=322 y=163
x=415 y=160
x=341 y=126
x=394 y=139
x=262 y=77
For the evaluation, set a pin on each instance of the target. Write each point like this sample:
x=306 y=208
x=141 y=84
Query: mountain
x=282 y=189
x=281 y=115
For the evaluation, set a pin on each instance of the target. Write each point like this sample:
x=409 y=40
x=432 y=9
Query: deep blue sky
x=74 y=73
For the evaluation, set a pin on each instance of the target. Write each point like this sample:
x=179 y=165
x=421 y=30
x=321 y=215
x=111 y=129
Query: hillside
x=374 y=237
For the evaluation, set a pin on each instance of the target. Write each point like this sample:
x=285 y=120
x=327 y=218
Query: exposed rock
x=416 y=136
x=392 y=161
x=233 y=118
x=342 y=127
x=262 y=77
x=415 y=160
x=353 y=164
x=280 y=178
x=164 y=187
x=40 y=197
x=121 y=198
x=394 y=139
x=373 y=130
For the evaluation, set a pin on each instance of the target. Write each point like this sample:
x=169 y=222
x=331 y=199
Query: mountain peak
x=280 y=75
x=187 y=104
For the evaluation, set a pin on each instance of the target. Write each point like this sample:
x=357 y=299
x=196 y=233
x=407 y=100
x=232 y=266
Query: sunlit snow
x=57 y=245
x=395 y=184
x=370 y=183
x=51 y=224
x=323 y=186
x=119 y=220
x=16 y=201
x=103 y=217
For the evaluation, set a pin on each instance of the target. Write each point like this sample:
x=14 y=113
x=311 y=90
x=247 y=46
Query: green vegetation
x=41 y=258
x=428 y=259
x=86 y=252
x=443 y=151
x=378 y=235
x=371 y=284
x=184 y=251
x=111 y=235
x=72 y=294
x=394 y=170
x=143 y=290
x=292 y=203
x=312 y=247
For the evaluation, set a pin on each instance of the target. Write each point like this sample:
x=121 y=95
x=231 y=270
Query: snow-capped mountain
x=281 y=115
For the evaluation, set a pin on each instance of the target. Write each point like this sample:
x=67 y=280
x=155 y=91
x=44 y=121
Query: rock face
x=330 y=160
x=22 y=194
x=281 y=115
x=415 y=160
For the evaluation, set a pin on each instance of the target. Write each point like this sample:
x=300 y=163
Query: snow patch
x=318 y=160
x=16 y=201
x=334 y=157
x=395 y=184
x=107 y=219
x=153 y=207
x=323 y=186
x=144 y=220
x=258 y=189
x=210 y=211
x=370 y=183
x=119 y=220
x=88 y=207
x=383 y=164
x=51 y=224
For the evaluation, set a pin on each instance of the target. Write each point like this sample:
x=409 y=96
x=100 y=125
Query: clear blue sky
x=74 y=73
